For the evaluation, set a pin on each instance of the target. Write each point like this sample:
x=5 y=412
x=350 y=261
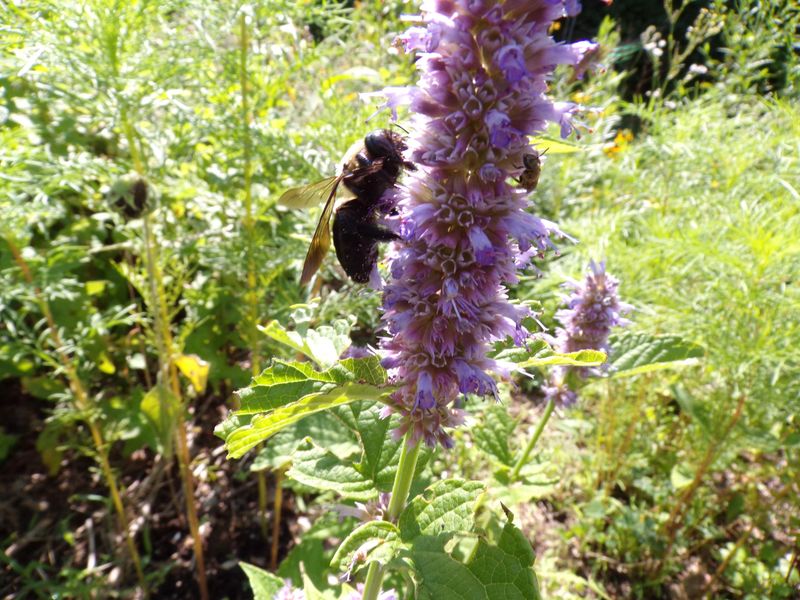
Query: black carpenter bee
x=529 y=178
x=369 y=169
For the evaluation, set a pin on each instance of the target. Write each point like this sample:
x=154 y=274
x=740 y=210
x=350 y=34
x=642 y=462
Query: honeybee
x=369 y=169
x=529 y=178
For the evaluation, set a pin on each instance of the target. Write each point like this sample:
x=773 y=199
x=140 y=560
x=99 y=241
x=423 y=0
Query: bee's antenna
x=401 y=127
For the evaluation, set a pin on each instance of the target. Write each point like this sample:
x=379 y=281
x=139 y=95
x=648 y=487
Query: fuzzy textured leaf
x=493 y=433
x=445 y=506
x=264 y=584
x=494 y=570
x=321 y=469
x=263 y=426
x=374 y=540
x=635 y=353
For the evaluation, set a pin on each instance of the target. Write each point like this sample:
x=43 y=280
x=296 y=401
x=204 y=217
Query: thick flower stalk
x=592 y=310
x=466 y=232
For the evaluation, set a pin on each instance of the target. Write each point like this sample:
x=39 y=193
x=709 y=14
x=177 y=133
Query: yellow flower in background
x=621 y=141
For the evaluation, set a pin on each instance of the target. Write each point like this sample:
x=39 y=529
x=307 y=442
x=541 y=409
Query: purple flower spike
x=593 y=309
x=483 y=71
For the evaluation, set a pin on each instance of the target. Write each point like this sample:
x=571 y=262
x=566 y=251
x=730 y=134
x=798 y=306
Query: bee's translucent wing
x=309 y=195
x=321 y=242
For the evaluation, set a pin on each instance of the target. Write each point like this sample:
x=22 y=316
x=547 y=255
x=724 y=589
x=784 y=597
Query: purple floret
x=466 y=233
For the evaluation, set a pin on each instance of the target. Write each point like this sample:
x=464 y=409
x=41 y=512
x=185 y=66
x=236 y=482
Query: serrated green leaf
x=381 y=451
x=327 y=343
x=324 y=345
x=635 y=353
x=515 y=354
x=321 y=469
x=506 y=568
x=581 y=358
x=493 y=433
x=366 y=370
x=442 y=577
x=447 y=505
x=286 y=381
x=371 y=541
x=370 y=457
x=499 y=570
x=263 y=426
x=231 y=423
x=264 y=584
x=280 y=334
x=324 y=428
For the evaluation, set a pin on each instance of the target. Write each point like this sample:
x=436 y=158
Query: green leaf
x=635 y=353
x=161 y=407
x=493 y=433
x=554 y=146
x=310 y=557
x=324 y=428
x=581 y=358
x=264 y=585
x=498 y=569
x=286 y=381
x=381 y=452
x=321 y=469
x=324 y=345
x=366 y=370
x=371 y=541
x=681 y=476
x=358 y=469
x=447 y=505
x=263 y=426
x=293 y=339
x=195 y=369
x=327 y=343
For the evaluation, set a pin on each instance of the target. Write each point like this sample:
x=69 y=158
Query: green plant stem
x=169 y=373
x=252 y=292
x=402 y=485
x=83 y=404
x=277 y=507
x=523 y=459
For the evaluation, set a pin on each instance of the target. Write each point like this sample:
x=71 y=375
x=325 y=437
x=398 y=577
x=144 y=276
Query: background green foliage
x=668 y=483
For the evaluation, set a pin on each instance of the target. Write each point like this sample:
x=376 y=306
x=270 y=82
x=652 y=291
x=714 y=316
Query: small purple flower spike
x=593 y=309
x=465 y=229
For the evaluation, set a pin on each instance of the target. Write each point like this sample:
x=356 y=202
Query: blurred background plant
x=671 y=482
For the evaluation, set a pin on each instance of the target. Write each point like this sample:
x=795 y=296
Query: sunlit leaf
x=552 y=145
x=371 y=541
x=581 y=358
x=161 y=407
x=195 y=369
x=264 y=426
x=263 y=583
x=636 y=353
x=445 y=506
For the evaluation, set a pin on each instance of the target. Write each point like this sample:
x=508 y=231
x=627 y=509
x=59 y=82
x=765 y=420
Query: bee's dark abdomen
x=355 y=237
